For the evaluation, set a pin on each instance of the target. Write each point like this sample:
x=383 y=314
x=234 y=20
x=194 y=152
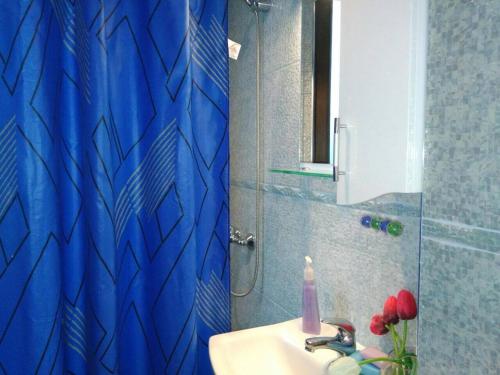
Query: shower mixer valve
x=235 y=236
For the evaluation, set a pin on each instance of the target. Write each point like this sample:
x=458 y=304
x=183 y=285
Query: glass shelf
x=301 y=172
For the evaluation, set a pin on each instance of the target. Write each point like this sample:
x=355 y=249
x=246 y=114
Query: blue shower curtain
x=113 y=185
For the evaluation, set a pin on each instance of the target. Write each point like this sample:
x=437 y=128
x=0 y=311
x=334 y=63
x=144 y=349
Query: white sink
x=277 y=349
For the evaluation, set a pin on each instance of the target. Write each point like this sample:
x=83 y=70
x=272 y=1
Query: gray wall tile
x=460 y=269
x=459 y=310
x=463 y=107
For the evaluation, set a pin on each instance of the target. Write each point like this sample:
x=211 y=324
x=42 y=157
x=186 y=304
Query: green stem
x=395 y=339
x=379 y=359
x=405 y=334
x=414 y=369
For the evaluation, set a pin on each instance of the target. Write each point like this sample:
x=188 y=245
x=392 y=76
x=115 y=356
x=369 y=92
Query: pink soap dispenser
x=310 y=311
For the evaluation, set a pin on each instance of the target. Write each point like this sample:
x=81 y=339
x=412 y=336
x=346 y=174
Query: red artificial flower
x=391 y=310
x=407 y=306
x=377 y=325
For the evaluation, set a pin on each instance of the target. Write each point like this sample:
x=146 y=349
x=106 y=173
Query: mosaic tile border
x=462 y=235
x=397 y=204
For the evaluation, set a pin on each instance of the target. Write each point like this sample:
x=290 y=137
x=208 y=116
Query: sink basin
x=274 y=349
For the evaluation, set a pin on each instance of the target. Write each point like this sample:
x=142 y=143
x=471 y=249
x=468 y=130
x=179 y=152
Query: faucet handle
x=343 y=342
x=346 y=329
x=340 y=322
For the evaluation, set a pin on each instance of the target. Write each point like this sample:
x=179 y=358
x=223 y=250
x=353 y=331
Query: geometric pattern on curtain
x=113 y=185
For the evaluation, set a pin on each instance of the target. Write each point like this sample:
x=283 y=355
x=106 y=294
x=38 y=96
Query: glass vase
x=395 y=369
x=409 y=366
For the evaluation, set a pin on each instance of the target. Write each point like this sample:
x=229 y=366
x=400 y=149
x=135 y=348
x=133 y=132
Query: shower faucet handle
x=234 y=231
x=236 y=237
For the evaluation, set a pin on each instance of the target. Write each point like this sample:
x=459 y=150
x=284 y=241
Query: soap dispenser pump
x=310 y=311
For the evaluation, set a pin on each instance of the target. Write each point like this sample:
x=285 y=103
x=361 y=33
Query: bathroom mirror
x=319 y=65
x=363 y=85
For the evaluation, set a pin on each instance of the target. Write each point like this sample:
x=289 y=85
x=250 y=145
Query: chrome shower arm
x=256 y=5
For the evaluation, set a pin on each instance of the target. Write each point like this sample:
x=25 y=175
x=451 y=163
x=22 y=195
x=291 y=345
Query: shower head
x=259 y=6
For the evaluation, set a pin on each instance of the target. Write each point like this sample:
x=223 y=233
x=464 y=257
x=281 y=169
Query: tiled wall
x=459 y=329
x=356 y=268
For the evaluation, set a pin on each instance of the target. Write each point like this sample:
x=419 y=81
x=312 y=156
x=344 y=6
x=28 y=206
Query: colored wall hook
x=393 y=228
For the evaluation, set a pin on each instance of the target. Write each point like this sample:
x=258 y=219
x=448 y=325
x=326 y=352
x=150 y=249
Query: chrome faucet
x=235 y=236
x=344 y=342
